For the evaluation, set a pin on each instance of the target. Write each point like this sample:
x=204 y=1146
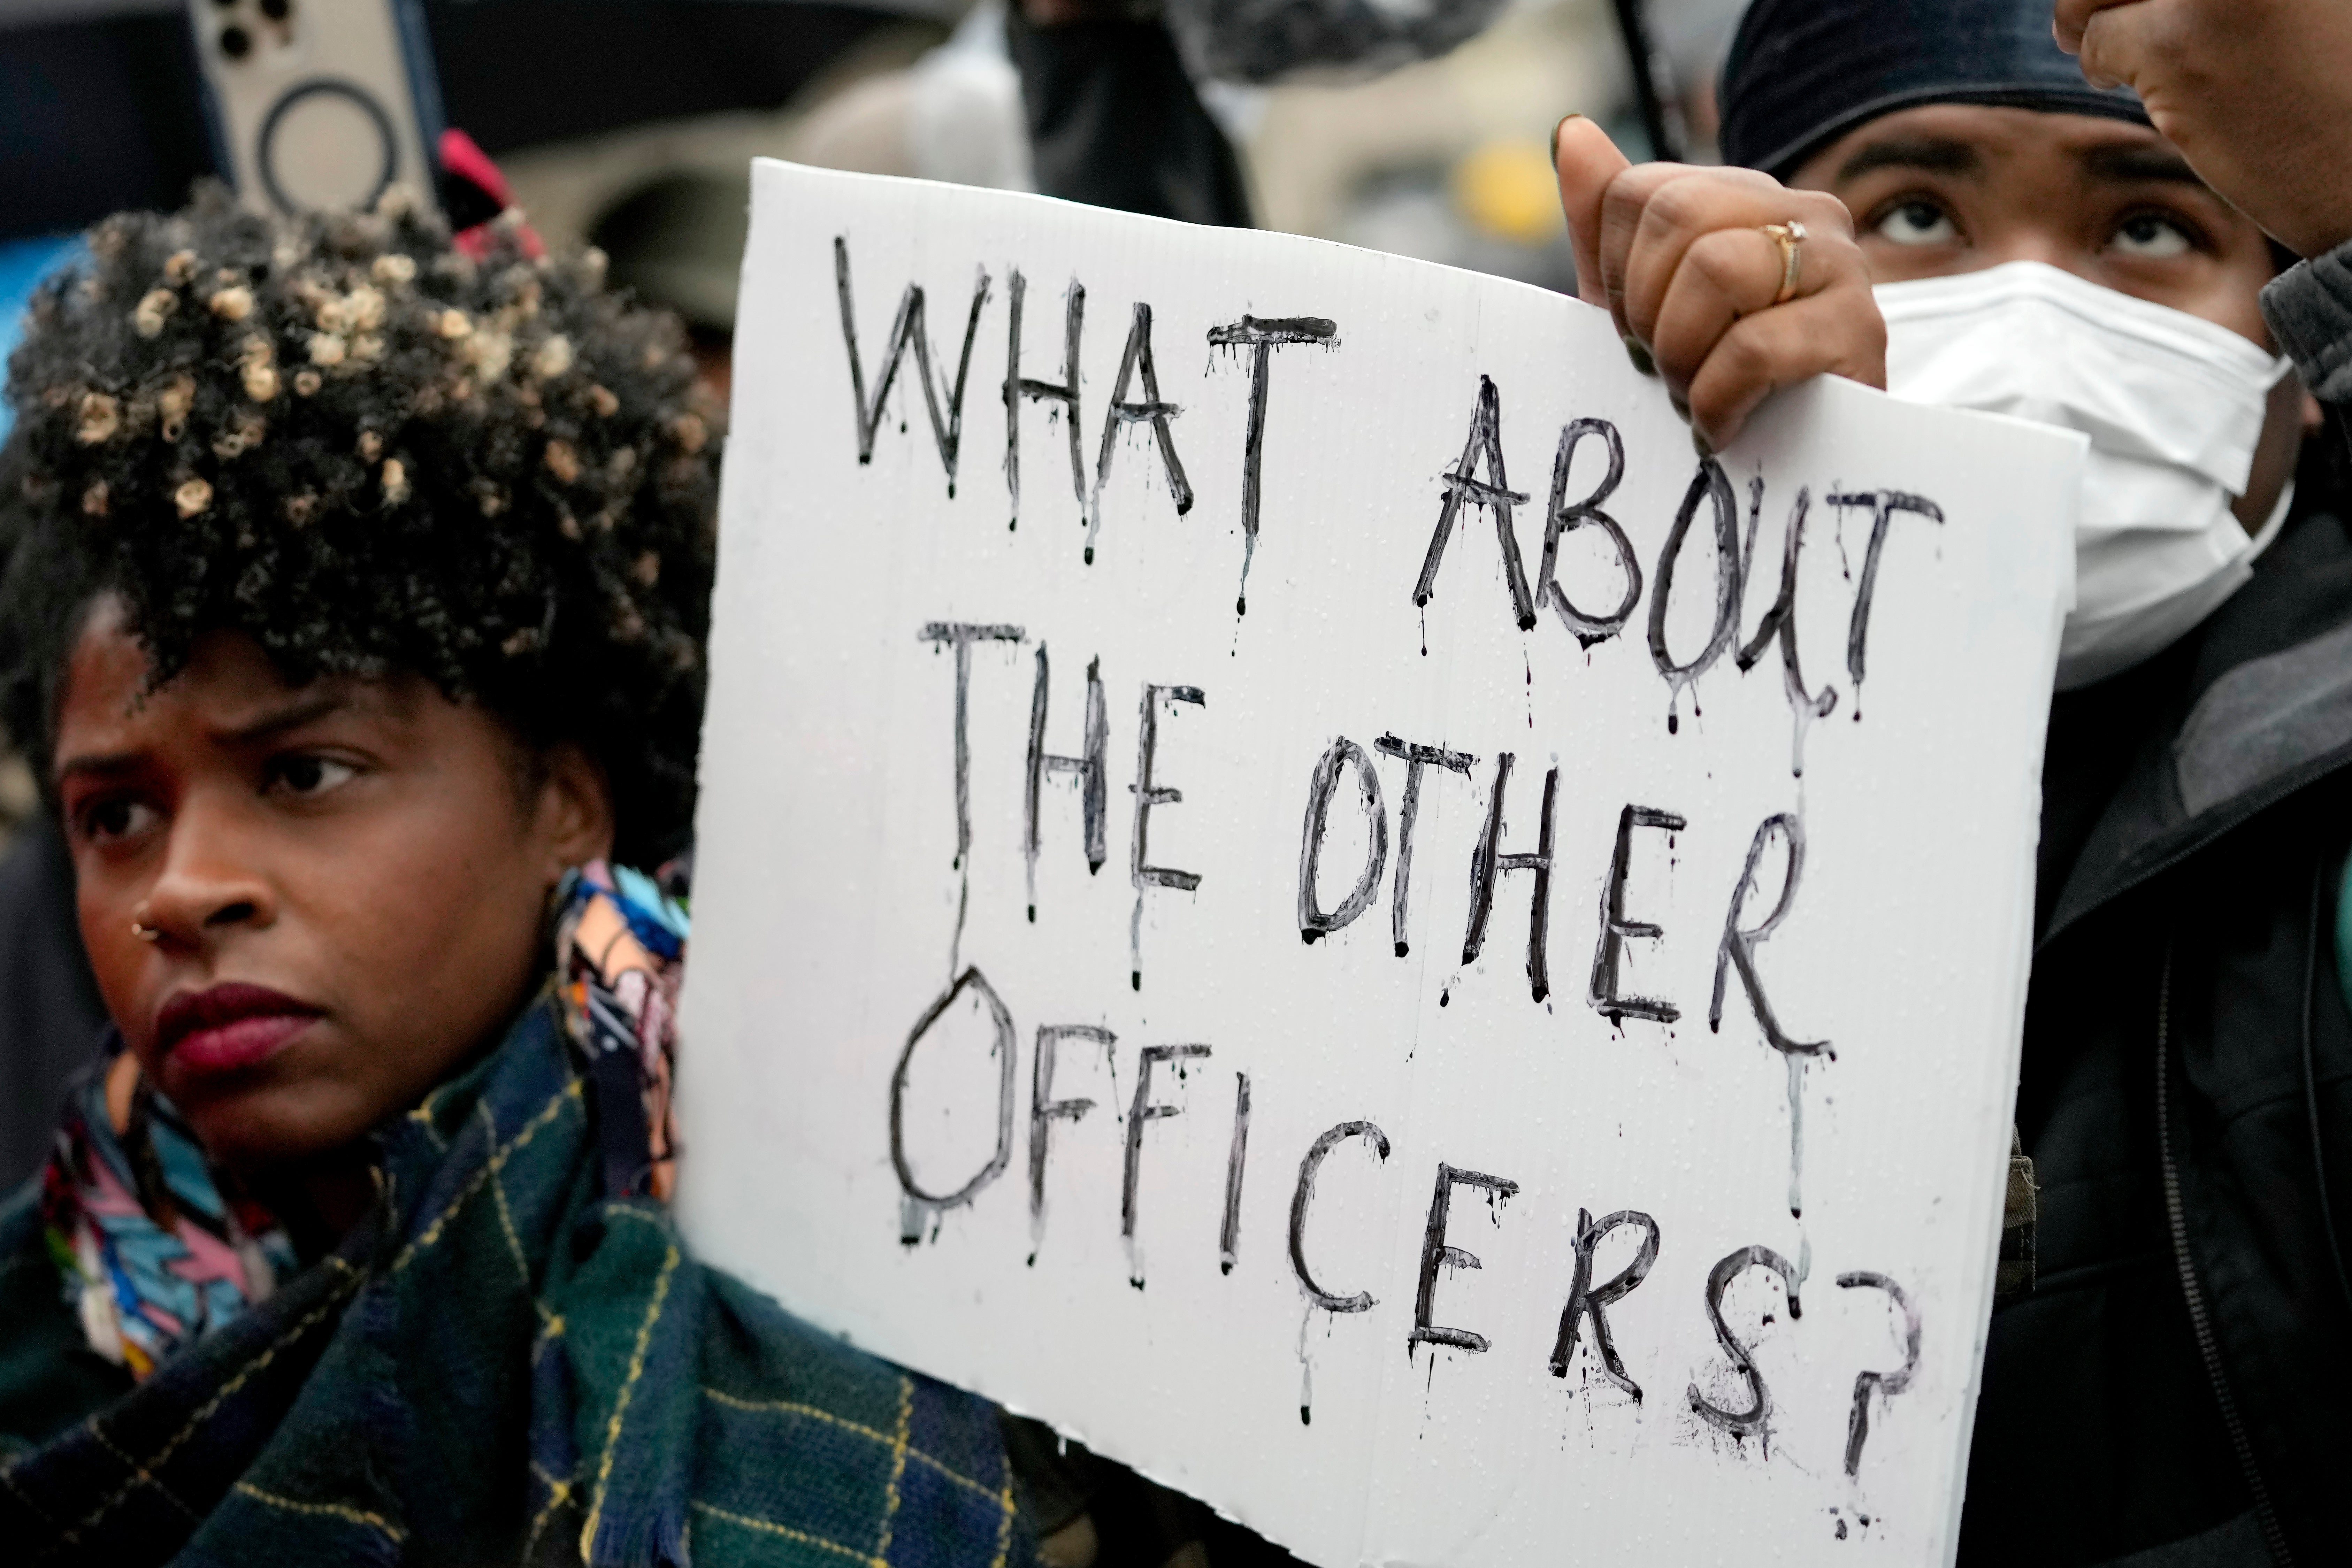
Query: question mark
x=1857 y=1425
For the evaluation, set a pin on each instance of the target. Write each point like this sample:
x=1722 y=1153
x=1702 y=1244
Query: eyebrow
x=2126 y=163
x=106 y=764
x=292 y=717
x=1932 y=154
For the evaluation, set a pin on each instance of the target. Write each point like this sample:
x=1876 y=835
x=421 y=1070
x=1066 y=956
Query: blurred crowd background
x=1413 y=126
x=629 y=123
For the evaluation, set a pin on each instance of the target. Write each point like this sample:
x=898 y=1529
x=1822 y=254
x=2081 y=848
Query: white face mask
x=2173 y=406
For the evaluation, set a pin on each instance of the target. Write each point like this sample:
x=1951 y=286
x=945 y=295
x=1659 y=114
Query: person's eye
x=306 y=774
x=2149 y=236
x=114 y=819
x=1917 y=222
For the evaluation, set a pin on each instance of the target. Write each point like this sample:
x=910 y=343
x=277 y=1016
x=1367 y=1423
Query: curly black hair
x=371 y=450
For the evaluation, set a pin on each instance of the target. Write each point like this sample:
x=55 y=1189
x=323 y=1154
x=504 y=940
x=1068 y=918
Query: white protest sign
x=1293 y=885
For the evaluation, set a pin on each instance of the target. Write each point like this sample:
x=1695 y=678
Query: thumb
x=2071 y=18
x=2101 y=35
x=1586 y=160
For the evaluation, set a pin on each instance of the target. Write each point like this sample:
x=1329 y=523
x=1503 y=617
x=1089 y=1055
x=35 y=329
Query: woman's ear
x=574 y=808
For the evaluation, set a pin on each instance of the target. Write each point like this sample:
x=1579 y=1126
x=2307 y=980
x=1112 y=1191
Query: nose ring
x=144 y=931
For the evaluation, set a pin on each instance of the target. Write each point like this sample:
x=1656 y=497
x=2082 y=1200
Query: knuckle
x=1743 y=357
x=1842 y=265
x=1855 y=320
x=1749 y=183
x=1870 y=335
x=1694 y=201
x=1721 y=259
x=1667 y=207
x=1864 y=359
x=1826 y=213
x=1631 y=190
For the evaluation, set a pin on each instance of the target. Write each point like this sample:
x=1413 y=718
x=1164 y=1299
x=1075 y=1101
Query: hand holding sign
x=1214 y=1031
x=1683 y=261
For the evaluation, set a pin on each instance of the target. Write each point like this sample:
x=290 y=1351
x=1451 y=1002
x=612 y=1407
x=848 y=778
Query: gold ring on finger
x=1791 y=237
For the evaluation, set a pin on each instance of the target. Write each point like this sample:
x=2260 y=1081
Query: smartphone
x=320 y=105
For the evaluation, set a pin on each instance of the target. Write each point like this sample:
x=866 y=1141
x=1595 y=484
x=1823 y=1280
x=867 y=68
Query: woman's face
x=341 y=885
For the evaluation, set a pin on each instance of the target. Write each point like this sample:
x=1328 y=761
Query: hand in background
x=1681 y=258
x=2257 y=94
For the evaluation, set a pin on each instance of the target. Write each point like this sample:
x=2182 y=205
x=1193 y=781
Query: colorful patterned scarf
x=157 y=1248
x=620 y=947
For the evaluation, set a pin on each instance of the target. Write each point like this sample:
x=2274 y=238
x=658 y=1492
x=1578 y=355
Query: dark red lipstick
x=229 y=1027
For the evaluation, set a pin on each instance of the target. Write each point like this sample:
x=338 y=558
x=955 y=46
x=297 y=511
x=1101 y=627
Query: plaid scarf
x=509 y=1361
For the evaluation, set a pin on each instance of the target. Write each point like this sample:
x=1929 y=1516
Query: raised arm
x=2257 y=94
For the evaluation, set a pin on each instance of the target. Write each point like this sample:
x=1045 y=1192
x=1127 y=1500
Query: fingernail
x=1554 y=135
x=1639 y=356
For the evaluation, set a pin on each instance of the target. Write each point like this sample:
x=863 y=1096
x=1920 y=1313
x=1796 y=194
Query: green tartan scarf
x=503 y=1365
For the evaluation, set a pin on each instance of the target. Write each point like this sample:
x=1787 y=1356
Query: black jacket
x=2183 y=1363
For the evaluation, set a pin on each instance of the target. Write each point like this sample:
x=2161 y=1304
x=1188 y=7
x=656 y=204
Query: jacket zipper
x=2207 y=1345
